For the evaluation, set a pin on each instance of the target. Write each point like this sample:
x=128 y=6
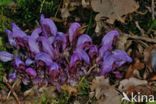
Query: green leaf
x=5 y=2
x=153 y=24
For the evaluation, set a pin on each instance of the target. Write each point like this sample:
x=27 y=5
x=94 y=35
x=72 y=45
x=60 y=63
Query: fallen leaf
x=150 y=58
x=144 y=90
x=126 y=83
x=113 y=9
x=65 y=13
x=104 y=92
x=136 y=66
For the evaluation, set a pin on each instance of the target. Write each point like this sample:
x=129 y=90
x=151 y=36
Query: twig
x=143 y=39
x=42 y=6
x=12 y=87
x=12 y=91
x=152 y=8
x=140 y=29
x=88 y=72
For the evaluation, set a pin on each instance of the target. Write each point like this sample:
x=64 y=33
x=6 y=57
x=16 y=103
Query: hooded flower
x=73 y=31
x=43 y=57
x=75 y=58
x=36 y=33
x=11 y=39
x=33 y=45
x=29 y=61
x=53 y=71
x=60 y=41
x=84 y=56
x=6 y=56
x=110 y=38
x=93 y=51
x=17 y=32
x=113 y=60
x=48 y=26
x=12 y=77
x=47 y=47
x=19 y=64
x=31 y=72
x=79 y=55
x=84 y=41
x=108 y=41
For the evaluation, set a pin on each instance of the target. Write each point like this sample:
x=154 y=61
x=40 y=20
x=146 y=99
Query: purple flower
x=73 y=31
x=47 y=47
x=19 y=65
x=51 y=39
x=43 y=57
x=108 y=65
x=93 y=51
x=12 y=77
x=36 y=33
x=6 y=56
x=84 y=41
x=11 y=39
x=53 y=71
x=17 y=32
x=78 y=56
x=33 y=45
x=75 y=58
x=29 y=61
x=121 y=57
x=107 y=42
x=19 y=62
x=31 y=72
x=111 y=61
x=60 y=41
x=109 y=39
x=48 y=26
x=84 y=56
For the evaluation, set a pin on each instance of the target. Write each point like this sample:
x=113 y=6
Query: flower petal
x=72 y=31
x=29 y=61
x=60 y=41
x=31 y=72
x=33 y=45
x=47 y=47
x=12 y=41
x=35 y=34
x=43 y=57
x=17 y=32
x=93 y=51
x=48 y=26
x=84 y=56
x=12 y=77
x=108 y=65
x=109 y=38
x=74 y=59
x=53 y=71
x=6 y=56
x=84 y=40
x=121 y=57
x=18 y=62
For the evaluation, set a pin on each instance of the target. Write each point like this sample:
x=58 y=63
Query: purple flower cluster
x=48 y=56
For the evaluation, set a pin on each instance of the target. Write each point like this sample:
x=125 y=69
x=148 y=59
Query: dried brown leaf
x=104 y=92
x=113 y=9
x=126 y=83
x=136 y=66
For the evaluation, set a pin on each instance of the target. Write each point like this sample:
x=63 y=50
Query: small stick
x=146 y=39
x=152 y=8
x=13 y=92
x=140 y=29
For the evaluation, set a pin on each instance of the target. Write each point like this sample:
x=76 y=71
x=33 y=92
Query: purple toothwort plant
x=49 y=56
